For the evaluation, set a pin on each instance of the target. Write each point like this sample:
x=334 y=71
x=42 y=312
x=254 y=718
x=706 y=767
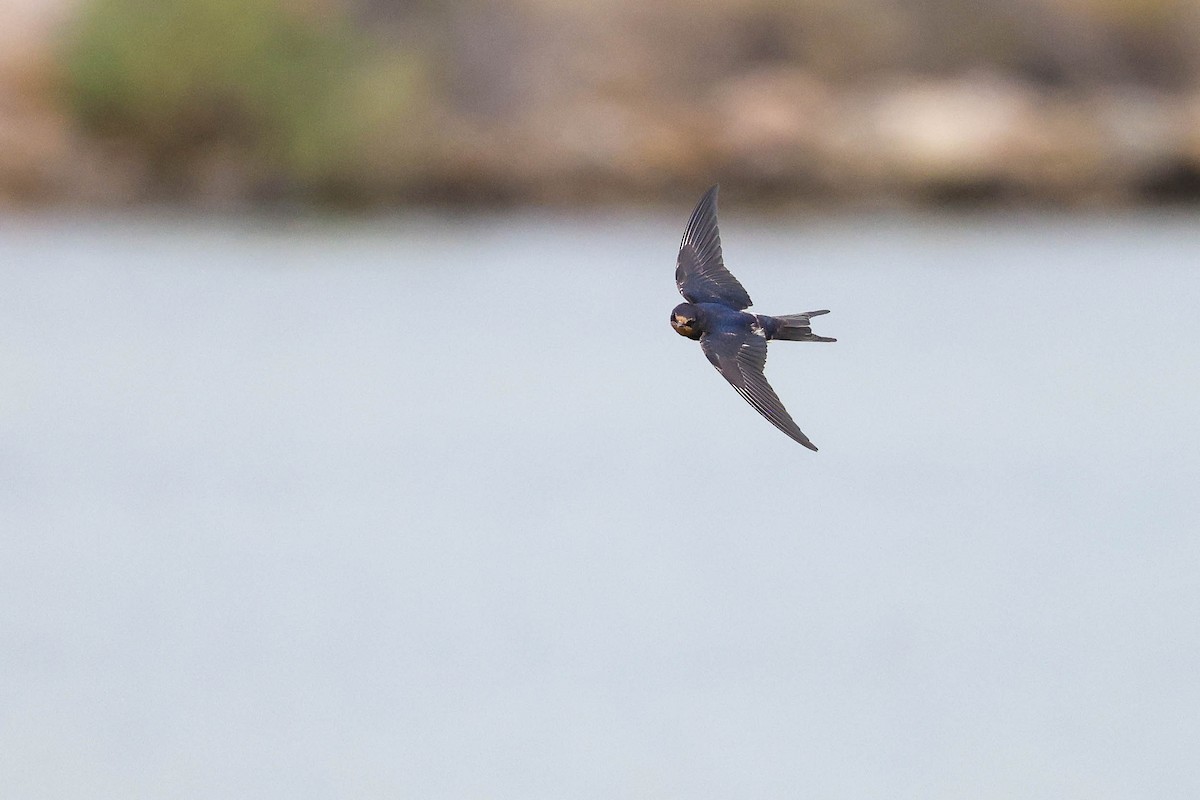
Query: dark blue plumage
x=735 y=341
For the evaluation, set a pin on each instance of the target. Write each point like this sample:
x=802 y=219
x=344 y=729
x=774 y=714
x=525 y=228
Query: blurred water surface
x=442 y=508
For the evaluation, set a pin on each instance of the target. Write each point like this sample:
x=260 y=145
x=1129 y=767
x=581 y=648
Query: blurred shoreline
x=229 y=106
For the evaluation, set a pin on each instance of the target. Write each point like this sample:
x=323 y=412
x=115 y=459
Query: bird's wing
x=700 y=271
x=740 y=357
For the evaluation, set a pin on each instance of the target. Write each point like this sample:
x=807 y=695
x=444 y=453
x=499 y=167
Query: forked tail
x=795 y=327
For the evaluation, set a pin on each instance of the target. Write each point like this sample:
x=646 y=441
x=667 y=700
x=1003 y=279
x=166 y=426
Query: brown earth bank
x=547 y=103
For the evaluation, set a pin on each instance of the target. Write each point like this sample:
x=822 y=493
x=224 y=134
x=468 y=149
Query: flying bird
x=734 y=340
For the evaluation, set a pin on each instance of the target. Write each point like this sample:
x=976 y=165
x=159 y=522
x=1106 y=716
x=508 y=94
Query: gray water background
x=428 y=507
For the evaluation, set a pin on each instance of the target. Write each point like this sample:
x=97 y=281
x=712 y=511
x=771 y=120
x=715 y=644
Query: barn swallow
x=733 y=340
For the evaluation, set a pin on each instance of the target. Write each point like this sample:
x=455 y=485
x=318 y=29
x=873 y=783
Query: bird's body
x=734 y=340
x=714 y=318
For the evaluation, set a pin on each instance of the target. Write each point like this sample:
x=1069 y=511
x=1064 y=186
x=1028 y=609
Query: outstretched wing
x=740 y=357
x=700 y=271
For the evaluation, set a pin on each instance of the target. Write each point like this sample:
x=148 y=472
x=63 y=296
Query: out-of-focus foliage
x=282 y=95
x=557 y=101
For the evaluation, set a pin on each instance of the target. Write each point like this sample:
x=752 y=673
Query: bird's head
x=683 y=320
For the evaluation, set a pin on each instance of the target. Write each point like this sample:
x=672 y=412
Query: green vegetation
x=291 y=97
